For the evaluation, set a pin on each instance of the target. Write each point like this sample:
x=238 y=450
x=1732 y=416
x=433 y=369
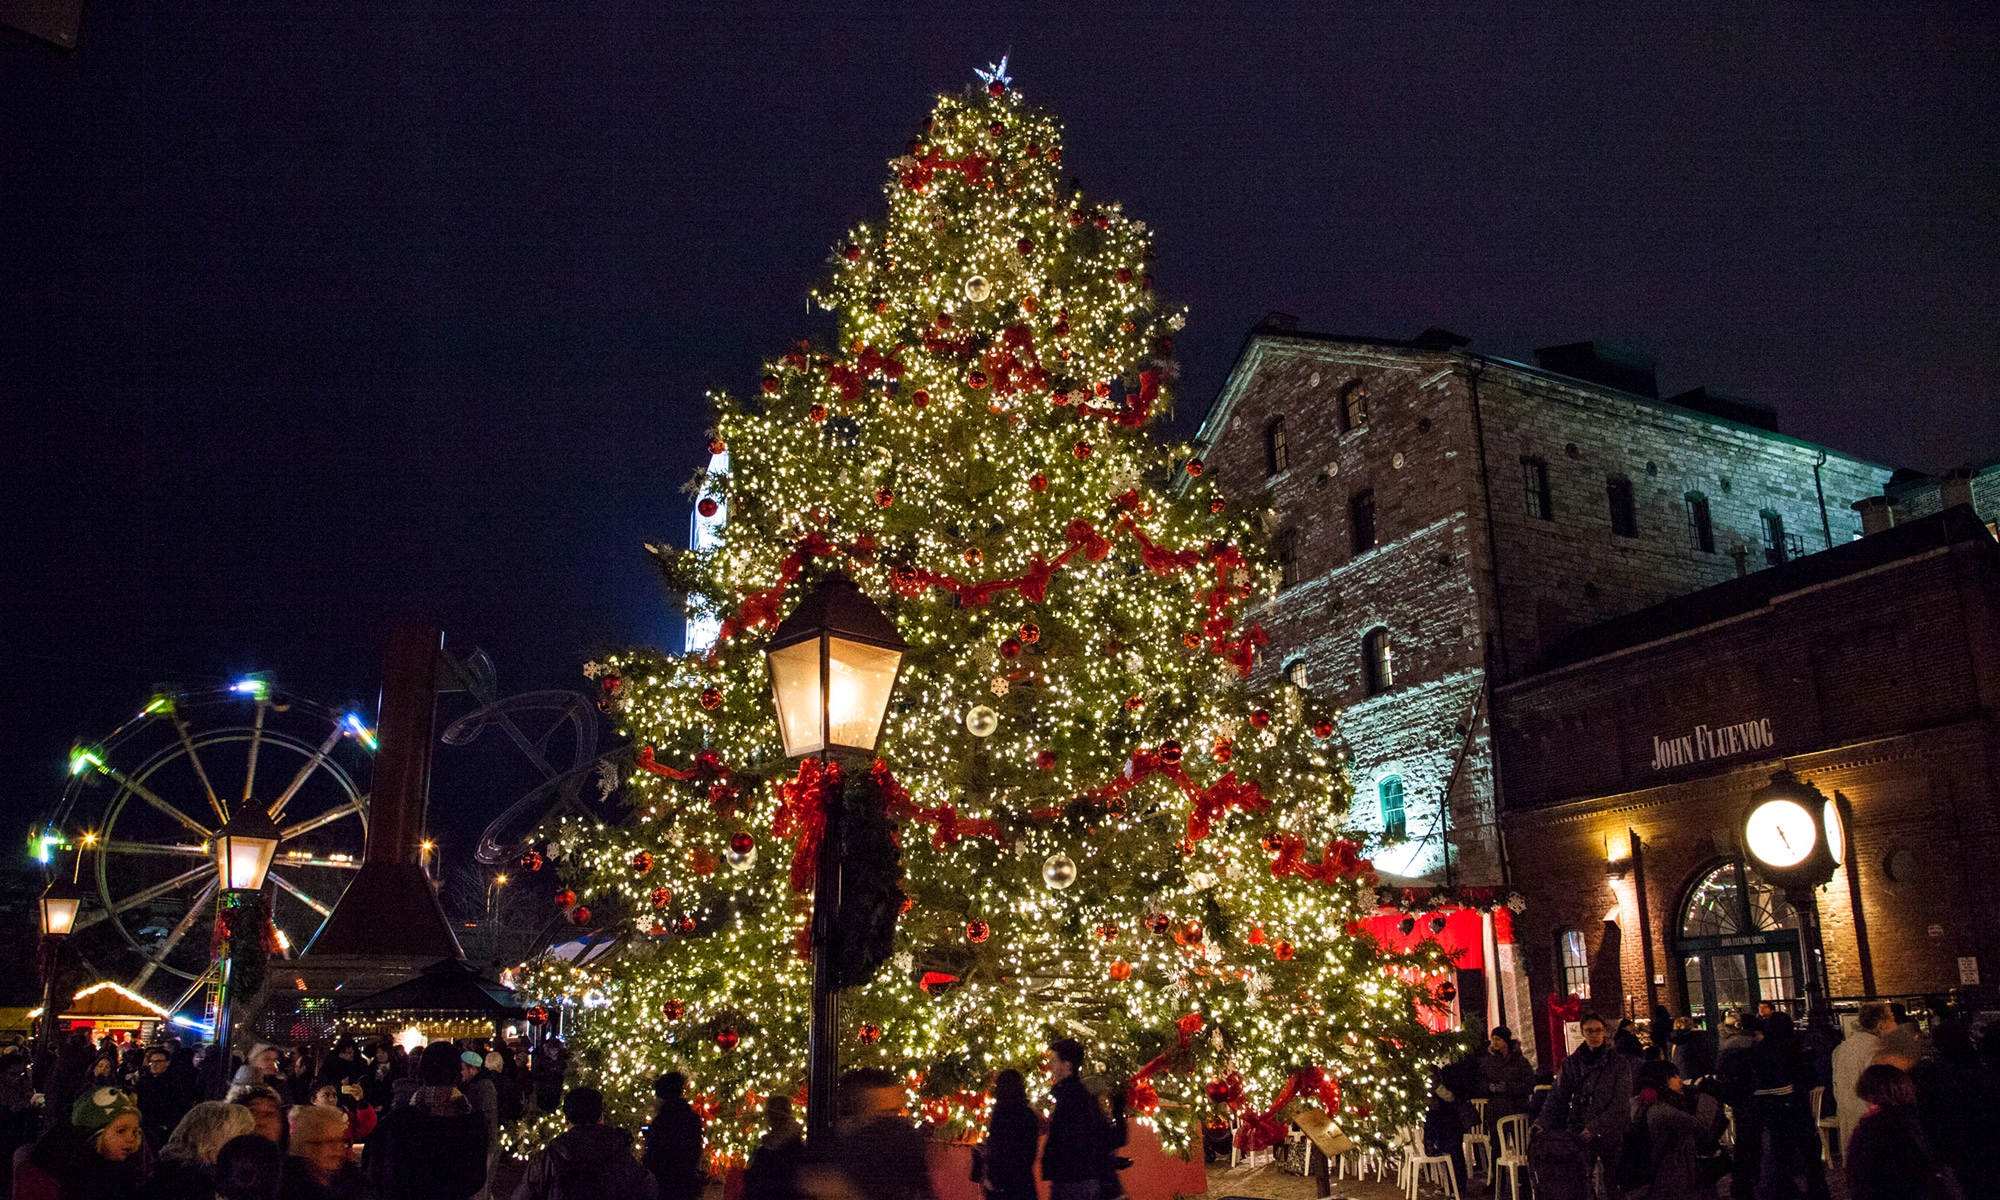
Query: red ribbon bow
x=802 y=811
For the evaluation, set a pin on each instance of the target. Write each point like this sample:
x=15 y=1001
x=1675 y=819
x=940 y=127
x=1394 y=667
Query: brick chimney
x=1955 y=487
x=1875 y=514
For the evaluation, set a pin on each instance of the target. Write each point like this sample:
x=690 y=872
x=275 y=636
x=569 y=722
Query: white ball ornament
x=977 y=289
x=981 y=721
x=1058 y=871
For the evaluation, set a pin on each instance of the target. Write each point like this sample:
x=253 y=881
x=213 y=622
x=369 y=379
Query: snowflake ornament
x=999 y=685
x=592 y=670
x=994 y=73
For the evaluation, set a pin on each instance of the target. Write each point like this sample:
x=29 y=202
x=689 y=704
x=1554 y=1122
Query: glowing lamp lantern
x=834 y=664
x=59 y=907
x=244 y=847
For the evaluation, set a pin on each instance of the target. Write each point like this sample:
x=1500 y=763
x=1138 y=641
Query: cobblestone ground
x=1269 y=1183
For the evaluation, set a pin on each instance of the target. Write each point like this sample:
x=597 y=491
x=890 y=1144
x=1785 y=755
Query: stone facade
x=1874 y=671
x=1476 y=566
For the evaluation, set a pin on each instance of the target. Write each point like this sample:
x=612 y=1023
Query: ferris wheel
x=142 y=807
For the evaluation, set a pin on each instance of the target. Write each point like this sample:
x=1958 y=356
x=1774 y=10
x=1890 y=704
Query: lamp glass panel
x=795 y=688
x=1836 y=833
x=59 y=914
x=860 y=679
x=243 y=861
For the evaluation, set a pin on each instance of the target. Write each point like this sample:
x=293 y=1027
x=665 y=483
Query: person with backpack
x=1581 y=1130
x=433 y=1147
x=1079 y=1132
x=588 y=1161
x=674 y=1141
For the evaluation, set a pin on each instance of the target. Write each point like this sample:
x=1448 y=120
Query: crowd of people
x=1675 y=1113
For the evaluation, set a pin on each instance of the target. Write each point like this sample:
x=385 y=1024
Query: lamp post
x=1793 y=835
x=834 y=665
x=59 y=908
x=244 y=847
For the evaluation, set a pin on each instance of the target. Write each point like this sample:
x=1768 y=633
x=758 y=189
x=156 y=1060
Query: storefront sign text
x=1707 y=742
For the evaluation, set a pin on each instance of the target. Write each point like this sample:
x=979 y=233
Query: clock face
x=1836 y=833
x=1781 y=833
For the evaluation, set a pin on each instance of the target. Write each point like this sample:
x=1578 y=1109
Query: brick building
x=1630 y=750
x=1446 y=517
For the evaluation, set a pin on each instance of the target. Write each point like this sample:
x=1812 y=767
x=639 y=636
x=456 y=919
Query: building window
x=1701 y=531
x=1288 y=557
x=1353 y=408
x=1575 y=963
x=1535 y=489
x=1361 y=521
x=1777 y=551
x=1395 y=824
x=1295 y=673
x=1277 y=456
x=1624 y=517
x=1378 y=662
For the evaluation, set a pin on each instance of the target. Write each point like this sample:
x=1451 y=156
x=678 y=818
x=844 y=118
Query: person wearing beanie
x=99 y=1155
x=434 y=1147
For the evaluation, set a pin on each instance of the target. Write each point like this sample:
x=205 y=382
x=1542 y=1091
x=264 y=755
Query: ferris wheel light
x=362 y=733
x=159 y=704
x=253 y=687
x=82 y=759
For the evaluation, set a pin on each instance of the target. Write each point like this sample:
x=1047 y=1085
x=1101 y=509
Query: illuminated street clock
x=1792 y=833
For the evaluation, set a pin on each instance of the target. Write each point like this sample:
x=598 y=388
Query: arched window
x=1738 y=944
x=1701 y=530
x=1395 y=823
x=1295 y=673
x=1288 y=557
x=1574 y=962
x=1378 y=662
x=1277 y=455
x=1624 y=514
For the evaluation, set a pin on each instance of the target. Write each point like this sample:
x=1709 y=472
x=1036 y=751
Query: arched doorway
x=1739 y=944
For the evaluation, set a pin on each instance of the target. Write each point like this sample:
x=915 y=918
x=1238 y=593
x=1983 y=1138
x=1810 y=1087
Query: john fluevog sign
x=1704 y=742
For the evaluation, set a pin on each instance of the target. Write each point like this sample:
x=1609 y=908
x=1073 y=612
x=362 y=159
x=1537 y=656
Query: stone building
x=1445 y=517
x=1630 y=752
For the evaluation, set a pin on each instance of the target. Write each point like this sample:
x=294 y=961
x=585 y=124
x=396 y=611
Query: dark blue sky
x=308 y=313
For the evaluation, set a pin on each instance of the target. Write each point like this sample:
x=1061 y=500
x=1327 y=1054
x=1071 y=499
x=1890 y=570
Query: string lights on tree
x=1104 y=832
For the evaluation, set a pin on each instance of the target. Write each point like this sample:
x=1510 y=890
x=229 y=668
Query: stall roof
x=447 y=986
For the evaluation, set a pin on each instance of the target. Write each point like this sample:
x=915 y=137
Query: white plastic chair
x=1513 y=1157
x=1478 y=1143
x=1417 y=1165
x=1829 y=1127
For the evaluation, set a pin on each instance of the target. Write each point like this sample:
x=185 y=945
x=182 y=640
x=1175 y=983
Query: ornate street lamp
x=244 y=847
x=1794 y=837
x=834 y=665
x=59 y=907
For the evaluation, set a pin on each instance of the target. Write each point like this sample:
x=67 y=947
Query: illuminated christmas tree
x=1104 y=833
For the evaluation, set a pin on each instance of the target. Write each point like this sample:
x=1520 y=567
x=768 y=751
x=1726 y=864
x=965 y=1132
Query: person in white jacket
x=1854 y=1055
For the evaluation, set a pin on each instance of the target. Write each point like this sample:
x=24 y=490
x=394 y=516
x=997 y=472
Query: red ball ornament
x=770 y=385
x=1158 y=922
x=1108 y=931
x=662 y=897
x=726 y=1038
x=1189 y=934
x=565 y=898
x=539 y=1014
x=996 y=88
x=1215 y=505
x=1046 y=760
x=1135 y=703
x=673 y=1010
x=869 y=1034
x=1120 y=971
x=920 y=398
x=1101 y=221
x=1124 y=275
x=1282 y=952
x=976 y=380
x=741 y=843
x=685 y=926
x=817 y=412
x=642 y=862
x=716 y=445
x=1081 y=450
x=1322 y=728
x=884 y=497
x=711 y=697
x=1224 y=750
x=1026 y=246
x=1075 y=219
x=580 y=914
x=977 y=931
x=1195 y=466
x=1146 y=281
x=707 y=506
x=1102 y=388
x=908 y=904
x=1256 y=935
x=854 y=254
x=1170 y=752
x=531 y=861
x=996 y=128
x=1259 y=718
x=1031 y=632
x=1218 y=1090
x=1038 y=482
x=973 y=555
x=1447 y=992
x=1191 y=640
x=944 y=320
x=1010 y=648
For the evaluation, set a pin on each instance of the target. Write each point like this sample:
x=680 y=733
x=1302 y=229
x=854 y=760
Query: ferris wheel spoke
x=256 y=741
x=200 y=772
x=180 y=931
x=305 y=772
x=177 y=850
x=326 y=818
x=151 y=797
x=146 y=896
x=294 y=889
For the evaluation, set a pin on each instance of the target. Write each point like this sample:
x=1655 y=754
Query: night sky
x=308 y=316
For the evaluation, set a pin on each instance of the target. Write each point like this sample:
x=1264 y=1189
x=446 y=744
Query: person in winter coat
x=1503 y=1077
x=1626 y=1040
x=249 y=1168
x=97 y=1156
x=773 y=1173
x=1079 y=1134
x=588 y=1161
x=674 y=1141
x=877 y=1153
x=1013 y=1133
x=1855 y=1054
x=1592 y=1099
x=1692 y=1050
x=1773 y=1089
x=1679 y=1125
x=1110 y=1185
x=186 y=1168
x=551 y=1057
x=434 y=1147
x=1888 y=1157
x=164 y=1095
x=317 y=1167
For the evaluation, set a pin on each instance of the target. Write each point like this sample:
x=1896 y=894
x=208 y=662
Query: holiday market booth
x=1476 y=928
x=448 y=1001
x=109 y=1008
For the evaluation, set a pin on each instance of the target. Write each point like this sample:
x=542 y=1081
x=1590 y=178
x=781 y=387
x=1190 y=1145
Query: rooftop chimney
x=1875 y=514
x=1612 y=365
x=1955 y=487
x=1729 y=408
